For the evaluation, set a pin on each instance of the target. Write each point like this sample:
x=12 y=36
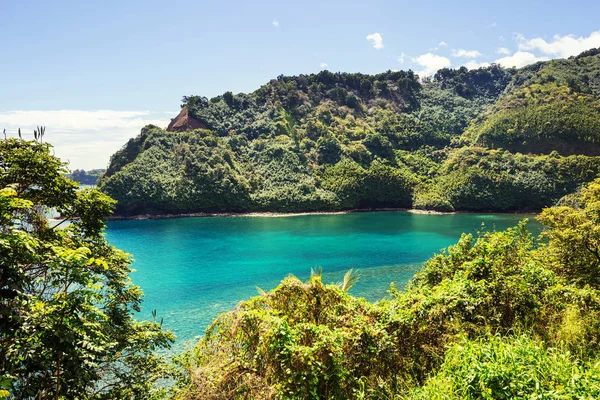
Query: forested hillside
x=490 y=139
x=86 y=177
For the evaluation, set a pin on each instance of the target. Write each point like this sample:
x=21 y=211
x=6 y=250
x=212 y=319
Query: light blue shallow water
x=191 y=269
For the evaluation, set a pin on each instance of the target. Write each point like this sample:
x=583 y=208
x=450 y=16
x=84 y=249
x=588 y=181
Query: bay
x=192 y=269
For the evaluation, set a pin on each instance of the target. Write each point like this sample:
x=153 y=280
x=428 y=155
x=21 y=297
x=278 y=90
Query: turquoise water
x=191 y=269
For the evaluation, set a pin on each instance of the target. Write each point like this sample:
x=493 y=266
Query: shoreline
x=270 y=214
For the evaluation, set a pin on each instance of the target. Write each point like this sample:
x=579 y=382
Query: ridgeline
x=490 y=139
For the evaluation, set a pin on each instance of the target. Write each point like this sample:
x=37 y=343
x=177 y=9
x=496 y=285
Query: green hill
x=551 y=106
x=86 y=178
x=332 y=141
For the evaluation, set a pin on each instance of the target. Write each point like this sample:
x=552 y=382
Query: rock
x=184 y=122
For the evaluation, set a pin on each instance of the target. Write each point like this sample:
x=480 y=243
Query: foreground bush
x=511 y=368
x=302 y=340
x=67 y=329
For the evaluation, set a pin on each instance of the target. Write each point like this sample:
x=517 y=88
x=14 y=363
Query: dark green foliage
x=379 y=145
x=480 y=179
x=67 y=302
x=86 y=177
x=482 y=82
x=179 y=172
x=329 y=149
x=542 y=119
x=379 y=185
x=279 y=148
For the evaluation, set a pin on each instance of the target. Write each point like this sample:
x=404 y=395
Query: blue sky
x=95 y=72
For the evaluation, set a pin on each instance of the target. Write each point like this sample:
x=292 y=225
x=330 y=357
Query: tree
x=67 y=301
x=329 y=149
x=574 y=237
x=228 y=98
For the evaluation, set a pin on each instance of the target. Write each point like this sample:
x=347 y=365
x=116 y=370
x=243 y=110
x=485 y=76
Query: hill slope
x=340 y=141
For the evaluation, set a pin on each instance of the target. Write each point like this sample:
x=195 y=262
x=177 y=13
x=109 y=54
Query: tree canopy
x=67 y=327
x=488 y=139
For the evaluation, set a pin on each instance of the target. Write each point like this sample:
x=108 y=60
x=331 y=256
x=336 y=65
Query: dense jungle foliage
x=490 y=139
x=500 y=316
x=67 y=303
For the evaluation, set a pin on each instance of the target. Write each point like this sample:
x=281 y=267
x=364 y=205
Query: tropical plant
x=67 y=327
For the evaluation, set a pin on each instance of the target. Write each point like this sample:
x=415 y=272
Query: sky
x=94 y=73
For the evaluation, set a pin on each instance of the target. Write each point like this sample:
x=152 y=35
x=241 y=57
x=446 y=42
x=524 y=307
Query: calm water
x=191 y=269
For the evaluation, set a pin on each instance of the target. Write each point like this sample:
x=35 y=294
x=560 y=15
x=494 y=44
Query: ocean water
x=192 y=269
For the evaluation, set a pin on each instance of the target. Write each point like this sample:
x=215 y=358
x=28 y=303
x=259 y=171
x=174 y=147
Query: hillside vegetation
x=490 y=139
x=86 y=177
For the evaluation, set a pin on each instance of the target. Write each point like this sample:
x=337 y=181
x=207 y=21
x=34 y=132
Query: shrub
x=301 y=340
x=510 y=368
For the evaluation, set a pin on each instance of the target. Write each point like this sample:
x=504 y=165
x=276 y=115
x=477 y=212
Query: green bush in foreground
x=67 y=329
x=510 y=368
x=321 y=344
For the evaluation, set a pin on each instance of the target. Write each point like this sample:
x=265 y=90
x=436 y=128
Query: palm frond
x=350 y=279
x=316 y=272
x=261 y=291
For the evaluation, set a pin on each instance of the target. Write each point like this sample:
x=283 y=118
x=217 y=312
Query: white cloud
x=86 y=139
x=562 y=46
x=492 y=25
x=503 y=51
x=519 y=59
x=275 y=23
x=465 y=53
x=376 y=39
x=323 y=65
x=401 y=58
x=431 y=63
x=475 y=65
x=442 y=44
